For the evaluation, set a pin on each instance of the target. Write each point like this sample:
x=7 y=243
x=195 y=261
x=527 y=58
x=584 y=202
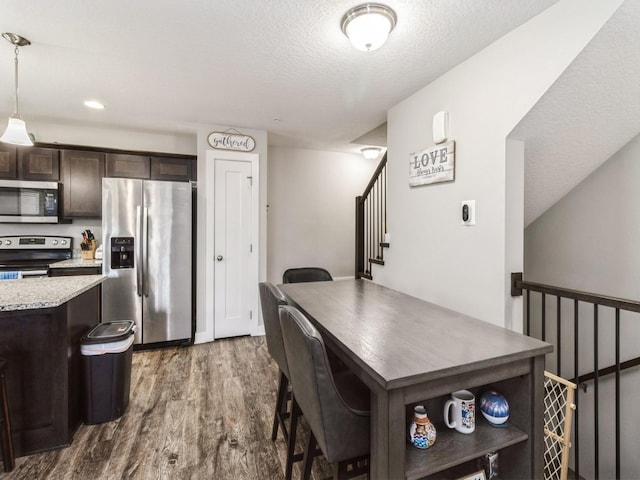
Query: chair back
x=306 y=274
x=270 y=299
x=341 y=431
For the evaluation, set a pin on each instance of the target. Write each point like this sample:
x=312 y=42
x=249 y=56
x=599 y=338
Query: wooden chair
x=558 y=414
x=336 y=407
x=6 y=441
x=307 y=274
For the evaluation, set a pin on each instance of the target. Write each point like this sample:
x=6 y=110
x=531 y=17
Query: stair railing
x=371 y=222
x=603 y=313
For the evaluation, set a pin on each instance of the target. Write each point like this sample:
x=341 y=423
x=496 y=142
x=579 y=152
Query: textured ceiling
x=587 y=115
x=170 y=65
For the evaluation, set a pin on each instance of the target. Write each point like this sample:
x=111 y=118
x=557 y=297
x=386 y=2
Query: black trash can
x=106 y=357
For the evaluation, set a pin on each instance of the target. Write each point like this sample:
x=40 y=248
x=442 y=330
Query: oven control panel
x=34 y=243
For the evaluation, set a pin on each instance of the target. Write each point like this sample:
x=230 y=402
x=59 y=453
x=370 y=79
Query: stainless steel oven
x=30 y=256
x=29 y=202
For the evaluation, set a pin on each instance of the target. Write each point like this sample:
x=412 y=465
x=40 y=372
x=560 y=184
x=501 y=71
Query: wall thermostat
x=468 y=212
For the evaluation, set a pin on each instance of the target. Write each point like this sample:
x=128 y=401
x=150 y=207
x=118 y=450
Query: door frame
x=254 y=159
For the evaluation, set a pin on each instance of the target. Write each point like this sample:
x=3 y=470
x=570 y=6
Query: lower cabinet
x=44 y=370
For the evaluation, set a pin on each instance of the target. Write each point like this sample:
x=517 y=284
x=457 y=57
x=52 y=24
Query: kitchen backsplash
x=73 y=230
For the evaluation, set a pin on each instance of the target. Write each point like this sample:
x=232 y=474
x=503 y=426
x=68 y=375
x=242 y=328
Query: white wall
x=589 y=241
x=113 y=137
x=432 y=256
x=204 y=279
x=311 y=209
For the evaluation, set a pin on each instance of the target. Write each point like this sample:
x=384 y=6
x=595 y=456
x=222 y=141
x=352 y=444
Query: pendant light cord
x=16 y=80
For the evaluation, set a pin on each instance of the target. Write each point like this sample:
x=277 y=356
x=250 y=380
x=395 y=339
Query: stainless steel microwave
x=29 y=202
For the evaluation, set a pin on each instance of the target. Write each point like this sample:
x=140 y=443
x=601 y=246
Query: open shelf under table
x=453 y=448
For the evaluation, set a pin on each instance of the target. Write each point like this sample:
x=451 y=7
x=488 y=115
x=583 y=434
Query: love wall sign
x=433 y=165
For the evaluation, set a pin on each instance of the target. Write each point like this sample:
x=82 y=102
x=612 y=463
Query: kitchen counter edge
x=47 y=292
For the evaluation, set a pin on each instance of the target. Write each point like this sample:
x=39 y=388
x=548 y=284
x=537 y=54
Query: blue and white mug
x=462 y=408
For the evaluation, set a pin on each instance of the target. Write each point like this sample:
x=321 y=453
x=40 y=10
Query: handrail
x=634 y=362
x=563 y=335
x=517 y=285
x=375 y=176
x=371 y=222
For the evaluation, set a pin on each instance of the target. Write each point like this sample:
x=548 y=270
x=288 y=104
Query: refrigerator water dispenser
x=122 y=252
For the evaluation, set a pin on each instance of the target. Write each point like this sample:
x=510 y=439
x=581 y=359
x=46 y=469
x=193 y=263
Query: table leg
x=378 y=456
x=397 y=434
x=388 y=440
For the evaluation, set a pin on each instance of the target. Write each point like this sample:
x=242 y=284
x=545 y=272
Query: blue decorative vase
x=494 y=407
x=422 y=433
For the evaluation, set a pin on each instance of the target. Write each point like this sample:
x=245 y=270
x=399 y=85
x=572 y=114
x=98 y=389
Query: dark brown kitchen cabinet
x=175 y=169
x=39 y=164
x=128 y=166
x=44 y=370
x=81 y=173
x=8 y=162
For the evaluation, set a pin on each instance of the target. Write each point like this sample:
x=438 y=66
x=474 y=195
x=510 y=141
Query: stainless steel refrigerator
x=146 y=238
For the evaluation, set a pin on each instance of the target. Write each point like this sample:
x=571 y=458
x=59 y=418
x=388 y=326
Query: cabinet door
x=128 y=166
x=39 y=164
x=81 y=173
x=175 y=169
x=8 y=164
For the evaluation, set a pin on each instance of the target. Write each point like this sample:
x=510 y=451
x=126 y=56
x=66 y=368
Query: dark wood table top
x=400 y=340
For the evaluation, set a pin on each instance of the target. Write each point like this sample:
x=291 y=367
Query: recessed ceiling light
x=94 y=104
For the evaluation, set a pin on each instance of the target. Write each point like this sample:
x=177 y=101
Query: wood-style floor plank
x=196 y=413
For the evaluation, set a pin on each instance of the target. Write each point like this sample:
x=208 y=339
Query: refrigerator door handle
x=138 y=251
x=145 y=251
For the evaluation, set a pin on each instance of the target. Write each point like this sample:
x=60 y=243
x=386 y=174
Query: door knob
x=219 y=258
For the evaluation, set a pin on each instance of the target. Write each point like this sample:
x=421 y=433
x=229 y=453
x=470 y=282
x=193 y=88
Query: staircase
x=371 y=223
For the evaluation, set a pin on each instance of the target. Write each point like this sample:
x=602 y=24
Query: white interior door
x=233 y=249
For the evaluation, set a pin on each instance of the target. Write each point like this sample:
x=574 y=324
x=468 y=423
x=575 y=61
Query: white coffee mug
x=464 y=411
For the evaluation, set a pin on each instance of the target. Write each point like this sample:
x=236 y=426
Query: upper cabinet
x=39 y=164
x=8 y=163
x=29 y=163
x=150 y=167
x=175 y=169
x=81 y=173
x=128 y=166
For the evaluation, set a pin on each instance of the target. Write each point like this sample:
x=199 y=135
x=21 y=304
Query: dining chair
x=306 y=274
x=271 y=298
x=335 y=406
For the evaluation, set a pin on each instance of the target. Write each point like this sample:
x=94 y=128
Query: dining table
x=411 y=352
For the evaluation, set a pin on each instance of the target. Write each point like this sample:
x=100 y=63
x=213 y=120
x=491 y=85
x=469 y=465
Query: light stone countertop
x=76 y=262
x=47 y=292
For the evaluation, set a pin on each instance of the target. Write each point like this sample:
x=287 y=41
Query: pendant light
x=16 y=132
x=368 y=25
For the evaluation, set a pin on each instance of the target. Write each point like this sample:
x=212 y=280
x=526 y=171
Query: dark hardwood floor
x=202 y=412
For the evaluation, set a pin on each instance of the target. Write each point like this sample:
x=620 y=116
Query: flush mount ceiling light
x=370 y=152
x=94 y=104
x=368 y=25
x=16 y=132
